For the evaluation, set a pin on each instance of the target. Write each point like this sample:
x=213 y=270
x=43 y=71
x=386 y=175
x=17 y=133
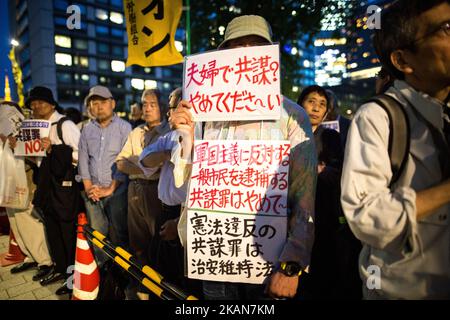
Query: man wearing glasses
x=404 y=226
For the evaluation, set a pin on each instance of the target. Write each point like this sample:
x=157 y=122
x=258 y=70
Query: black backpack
x=399 y=134
x=58 y=192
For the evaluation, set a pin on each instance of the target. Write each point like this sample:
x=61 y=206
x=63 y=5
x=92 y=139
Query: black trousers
x=61 y=238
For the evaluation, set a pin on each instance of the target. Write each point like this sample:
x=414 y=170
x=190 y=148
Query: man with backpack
x=395 y=181
x=57 y=196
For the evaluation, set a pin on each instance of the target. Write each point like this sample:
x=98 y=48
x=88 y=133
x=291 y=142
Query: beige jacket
x=413 y=257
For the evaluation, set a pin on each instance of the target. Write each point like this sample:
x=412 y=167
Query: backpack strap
x=399 y=134
x=59 y=128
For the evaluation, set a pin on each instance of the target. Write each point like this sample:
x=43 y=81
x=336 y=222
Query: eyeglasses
x=445 y=27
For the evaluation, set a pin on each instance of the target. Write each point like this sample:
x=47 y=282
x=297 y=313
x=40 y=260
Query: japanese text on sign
x=233 y=247
x=237 y=209
x=240 y=176
x=235 y=84
x=29 y=138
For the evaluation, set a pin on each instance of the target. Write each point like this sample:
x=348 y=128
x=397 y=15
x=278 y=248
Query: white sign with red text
x=237 y=209
x=29 y=139
x=234 y=84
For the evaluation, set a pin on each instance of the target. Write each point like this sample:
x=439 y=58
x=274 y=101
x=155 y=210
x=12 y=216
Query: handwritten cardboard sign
x=29 y=138
x=237 y=209
x=234 y=84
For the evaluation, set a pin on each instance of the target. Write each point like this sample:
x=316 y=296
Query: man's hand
x=282 y=286
x=92 y=193
x=103 y=192
x=168 y=230
x=46 y=144
x=95 y=192
x=182 y=117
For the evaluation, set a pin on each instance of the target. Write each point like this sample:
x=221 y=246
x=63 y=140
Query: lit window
x=63 y=59
x=306 y=64
x=102 y=80
x=149 y=84
x=294 y=89
x=101 y=14
x=116 y=17
x=137 y=84
x=366 y=54
x=166 y=85
x=63 y=41
x=117 y=66
x=81 y=61
x=85 y=77
x=359 y=40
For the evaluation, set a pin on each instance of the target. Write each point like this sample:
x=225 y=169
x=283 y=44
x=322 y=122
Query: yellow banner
x=151 y=27
x=17 y=73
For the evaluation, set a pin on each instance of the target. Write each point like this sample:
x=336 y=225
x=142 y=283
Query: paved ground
x=20 y=286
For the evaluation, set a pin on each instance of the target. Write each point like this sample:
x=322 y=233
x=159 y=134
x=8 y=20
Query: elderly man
x=57 y=196
x=294 y=125
x=144 y=207
x=403 y=222
x=105 y=188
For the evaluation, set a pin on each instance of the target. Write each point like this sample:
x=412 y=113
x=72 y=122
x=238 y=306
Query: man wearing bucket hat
x=294 y=125
x=105 y=188
x=57 y=194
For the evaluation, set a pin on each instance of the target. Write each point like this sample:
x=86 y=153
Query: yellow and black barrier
x=158 y=285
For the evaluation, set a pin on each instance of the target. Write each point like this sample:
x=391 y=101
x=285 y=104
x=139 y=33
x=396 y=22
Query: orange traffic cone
x=86 y=275
x=14 y=254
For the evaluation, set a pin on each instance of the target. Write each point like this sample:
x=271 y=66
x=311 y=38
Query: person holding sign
x=28 y=229
x=292 y=125
x=57 y=195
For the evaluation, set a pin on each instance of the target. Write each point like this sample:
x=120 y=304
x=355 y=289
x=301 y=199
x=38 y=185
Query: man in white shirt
x=57 y=195
x=404 y=226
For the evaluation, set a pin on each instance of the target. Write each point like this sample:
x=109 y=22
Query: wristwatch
x=291 y=269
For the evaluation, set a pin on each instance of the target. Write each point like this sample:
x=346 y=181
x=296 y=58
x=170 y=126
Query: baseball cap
x=99 y=91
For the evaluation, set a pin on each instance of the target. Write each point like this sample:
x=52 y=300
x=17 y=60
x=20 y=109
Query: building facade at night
x=70 y=61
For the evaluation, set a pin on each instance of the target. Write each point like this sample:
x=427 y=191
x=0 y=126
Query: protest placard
x=29 y=138
x=237 y=209
x=331 y=125
x=234 y=84
x=10 y=120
